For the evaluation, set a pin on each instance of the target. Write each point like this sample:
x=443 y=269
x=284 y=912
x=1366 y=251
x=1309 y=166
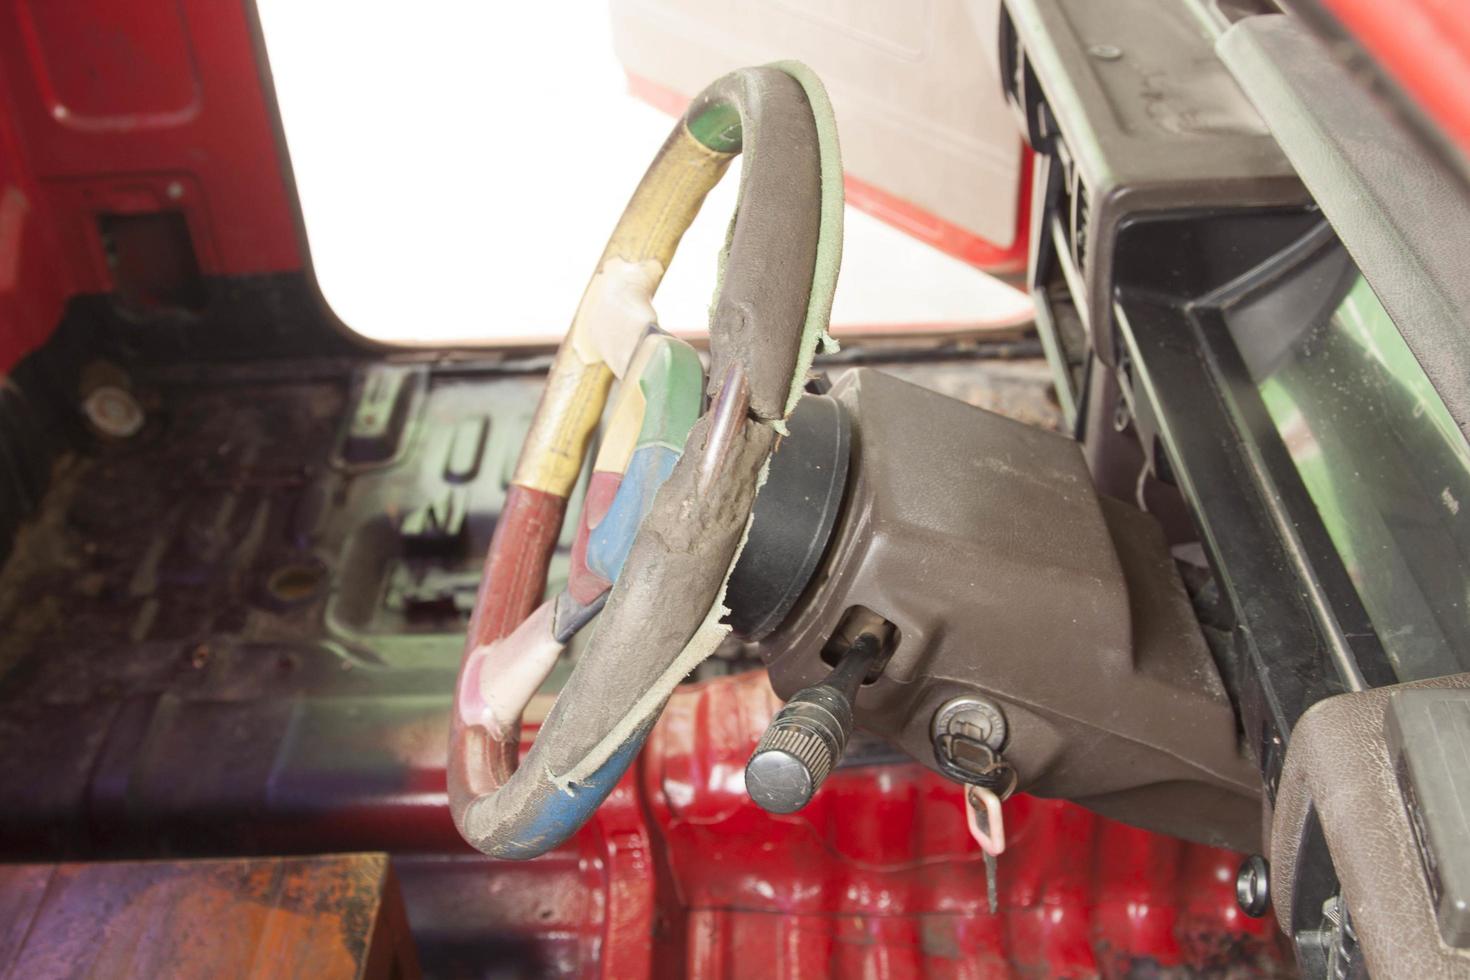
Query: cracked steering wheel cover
x=674 y=572
x=662 y=615
x=768 y=266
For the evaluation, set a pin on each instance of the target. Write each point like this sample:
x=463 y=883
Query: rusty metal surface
x=320 y=918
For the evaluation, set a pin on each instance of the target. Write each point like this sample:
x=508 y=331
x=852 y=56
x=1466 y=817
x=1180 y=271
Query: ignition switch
x=968 y=735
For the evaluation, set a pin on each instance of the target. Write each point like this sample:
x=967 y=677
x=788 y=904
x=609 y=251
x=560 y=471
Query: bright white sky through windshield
x=460 y=166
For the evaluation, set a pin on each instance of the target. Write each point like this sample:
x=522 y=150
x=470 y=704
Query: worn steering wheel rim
x=778 y=271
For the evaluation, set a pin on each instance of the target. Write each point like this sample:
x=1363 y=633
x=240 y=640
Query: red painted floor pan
x=878 y=877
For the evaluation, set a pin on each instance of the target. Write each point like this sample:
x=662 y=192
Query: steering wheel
x=661 y=530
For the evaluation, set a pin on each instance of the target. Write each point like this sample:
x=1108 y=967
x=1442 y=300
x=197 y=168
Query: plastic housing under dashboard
x=1008 y=577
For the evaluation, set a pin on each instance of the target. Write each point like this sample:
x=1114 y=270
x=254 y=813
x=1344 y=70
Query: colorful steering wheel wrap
x=671 y=492
x=659 y=402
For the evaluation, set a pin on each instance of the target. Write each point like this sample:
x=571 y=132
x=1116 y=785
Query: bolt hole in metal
x=113 y=412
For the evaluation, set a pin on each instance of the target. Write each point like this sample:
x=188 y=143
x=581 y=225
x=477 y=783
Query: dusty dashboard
x=1259 y=339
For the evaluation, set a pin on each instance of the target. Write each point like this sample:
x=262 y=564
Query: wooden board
x=316 y=917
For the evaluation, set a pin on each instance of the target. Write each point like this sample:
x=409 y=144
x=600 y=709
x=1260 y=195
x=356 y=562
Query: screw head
x=1105 y=52
x=1253 y=886
x=113 y=412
